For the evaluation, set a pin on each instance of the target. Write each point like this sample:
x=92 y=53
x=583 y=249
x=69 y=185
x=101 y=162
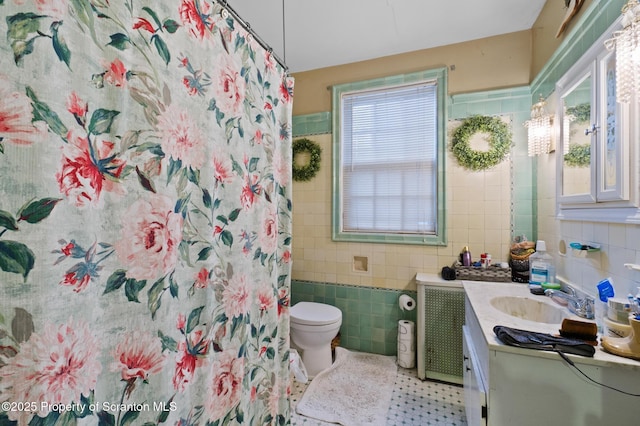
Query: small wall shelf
x=632 y=266
x=584 y=250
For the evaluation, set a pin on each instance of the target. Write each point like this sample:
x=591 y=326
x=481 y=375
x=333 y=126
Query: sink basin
x=529 y=309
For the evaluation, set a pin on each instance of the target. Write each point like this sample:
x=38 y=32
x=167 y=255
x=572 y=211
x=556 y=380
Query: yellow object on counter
x=628 y=347
x=616 y=329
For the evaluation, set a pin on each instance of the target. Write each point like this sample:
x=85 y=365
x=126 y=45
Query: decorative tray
x=492 y=273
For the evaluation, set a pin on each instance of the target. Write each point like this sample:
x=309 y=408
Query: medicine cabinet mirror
x=594 y=157
x=576 y=136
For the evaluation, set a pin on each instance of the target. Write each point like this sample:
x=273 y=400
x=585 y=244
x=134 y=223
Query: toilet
x=313 y=327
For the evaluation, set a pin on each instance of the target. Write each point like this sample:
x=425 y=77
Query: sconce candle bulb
x=625 y=43
x=539 y=130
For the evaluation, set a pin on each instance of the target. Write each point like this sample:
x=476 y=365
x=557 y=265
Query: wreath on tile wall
x=308 y=171
x=499 y=140
x=580 y=113
x=578 y=155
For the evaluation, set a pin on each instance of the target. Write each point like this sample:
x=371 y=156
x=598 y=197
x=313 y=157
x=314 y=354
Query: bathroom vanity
x=506 y=385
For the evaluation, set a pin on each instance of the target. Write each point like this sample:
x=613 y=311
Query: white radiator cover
x=439 y=323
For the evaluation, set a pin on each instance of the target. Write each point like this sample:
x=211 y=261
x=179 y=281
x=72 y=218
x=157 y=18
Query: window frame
x=439 y=76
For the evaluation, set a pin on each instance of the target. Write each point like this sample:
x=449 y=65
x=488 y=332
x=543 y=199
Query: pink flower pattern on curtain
x=145 y=216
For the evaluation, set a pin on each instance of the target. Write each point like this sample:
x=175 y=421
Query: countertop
x=480 y=293
x=423 y=278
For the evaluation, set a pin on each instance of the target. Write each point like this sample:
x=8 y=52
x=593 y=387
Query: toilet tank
x=440 y=319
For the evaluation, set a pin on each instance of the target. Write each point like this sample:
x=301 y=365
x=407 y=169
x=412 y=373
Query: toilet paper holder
x=406 y=302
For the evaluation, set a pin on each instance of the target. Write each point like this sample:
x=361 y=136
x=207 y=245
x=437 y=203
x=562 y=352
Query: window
x=388 y=137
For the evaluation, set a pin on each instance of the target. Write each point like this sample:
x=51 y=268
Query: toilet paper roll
x=407 y=303
x=405 y=347
x=406 y=329
x=406 y=359
x=406 y=344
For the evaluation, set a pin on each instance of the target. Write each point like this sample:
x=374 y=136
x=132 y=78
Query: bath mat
x=355 y=390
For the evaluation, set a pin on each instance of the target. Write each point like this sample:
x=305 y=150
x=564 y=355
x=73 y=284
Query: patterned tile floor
x=414 y=402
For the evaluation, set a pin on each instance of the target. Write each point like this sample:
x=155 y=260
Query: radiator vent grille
x=441 y=318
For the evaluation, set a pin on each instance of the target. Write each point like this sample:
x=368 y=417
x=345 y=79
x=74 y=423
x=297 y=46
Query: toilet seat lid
x=312 y=313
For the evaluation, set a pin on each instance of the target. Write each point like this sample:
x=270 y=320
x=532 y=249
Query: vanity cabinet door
x=475 y=395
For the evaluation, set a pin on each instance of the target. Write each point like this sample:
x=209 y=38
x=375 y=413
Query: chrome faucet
x=583 y=308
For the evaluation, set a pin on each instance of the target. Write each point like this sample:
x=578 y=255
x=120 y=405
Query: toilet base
x=316 y=359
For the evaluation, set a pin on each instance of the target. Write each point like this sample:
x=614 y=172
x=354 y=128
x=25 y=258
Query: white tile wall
x=620 y=243
x=478 y=215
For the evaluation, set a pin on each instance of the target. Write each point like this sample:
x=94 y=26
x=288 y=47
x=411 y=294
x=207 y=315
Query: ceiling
x=322 y=33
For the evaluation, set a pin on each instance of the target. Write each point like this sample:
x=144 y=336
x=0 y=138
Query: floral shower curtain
x=144 y=216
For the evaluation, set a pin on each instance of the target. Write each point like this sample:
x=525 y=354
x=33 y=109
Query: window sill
x=424 y=240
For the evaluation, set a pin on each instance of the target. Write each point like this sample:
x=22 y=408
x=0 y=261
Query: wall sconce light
x=539 y=129
x=625 y=44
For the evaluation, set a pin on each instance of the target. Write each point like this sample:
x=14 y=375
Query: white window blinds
x=388 y=160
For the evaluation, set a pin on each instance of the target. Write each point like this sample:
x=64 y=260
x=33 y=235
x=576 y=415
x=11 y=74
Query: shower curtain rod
x=259 y=39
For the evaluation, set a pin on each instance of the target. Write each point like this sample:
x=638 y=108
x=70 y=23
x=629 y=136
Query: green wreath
x=499 y=142
x=308 y=171
x=581 y=113
x=578 y=155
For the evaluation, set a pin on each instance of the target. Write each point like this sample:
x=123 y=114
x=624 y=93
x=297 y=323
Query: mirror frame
x=584 y=69
x=619 y=201
x=620 y=191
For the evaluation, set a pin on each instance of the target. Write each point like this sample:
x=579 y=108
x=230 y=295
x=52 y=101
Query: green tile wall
x=312 y=124
x=369 y=315
x=592 y=24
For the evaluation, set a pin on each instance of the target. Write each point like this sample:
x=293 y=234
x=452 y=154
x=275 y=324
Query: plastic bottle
x=601 y=306
x=465 y=256
x=541 y=266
